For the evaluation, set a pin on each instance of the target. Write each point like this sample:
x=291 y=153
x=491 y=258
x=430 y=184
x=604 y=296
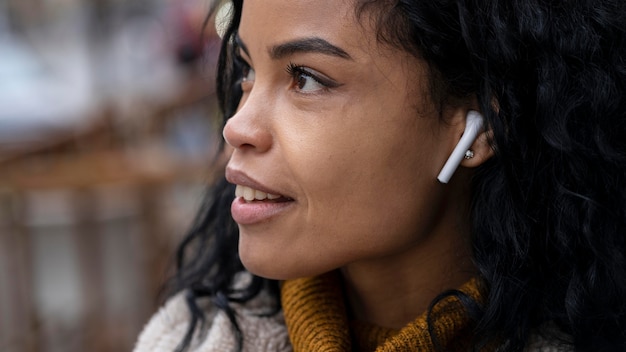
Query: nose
x=248 y=130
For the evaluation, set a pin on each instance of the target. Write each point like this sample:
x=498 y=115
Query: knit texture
x=315 y=315
x=317 y=320
x=166 y=329
x=367 y=337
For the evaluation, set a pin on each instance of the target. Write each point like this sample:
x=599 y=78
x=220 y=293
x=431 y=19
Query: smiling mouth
x=253 y=195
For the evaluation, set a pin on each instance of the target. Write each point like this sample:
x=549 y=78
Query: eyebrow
x=307 y=45
x=304 y=45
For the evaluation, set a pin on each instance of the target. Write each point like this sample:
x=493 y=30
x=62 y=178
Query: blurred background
x=108 y=134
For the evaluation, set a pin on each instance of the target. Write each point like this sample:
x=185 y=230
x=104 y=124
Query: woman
x=339 y=118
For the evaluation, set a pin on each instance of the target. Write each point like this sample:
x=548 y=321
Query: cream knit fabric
x=166 y=329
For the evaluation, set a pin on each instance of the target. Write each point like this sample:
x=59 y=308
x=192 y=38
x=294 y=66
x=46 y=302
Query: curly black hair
x=548 y=210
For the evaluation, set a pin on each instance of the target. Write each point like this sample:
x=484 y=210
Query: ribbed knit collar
x=317 y=320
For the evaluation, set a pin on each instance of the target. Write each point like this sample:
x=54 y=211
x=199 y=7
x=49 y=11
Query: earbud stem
x=473 y=126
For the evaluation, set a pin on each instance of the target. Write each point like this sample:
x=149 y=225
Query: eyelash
x=296 y=71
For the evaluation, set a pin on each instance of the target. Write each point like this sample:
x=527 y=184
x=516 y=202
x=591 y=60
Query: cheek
x=370 y=184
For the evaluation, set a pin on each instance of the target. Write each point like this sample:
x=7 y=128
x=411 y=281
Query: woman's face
x=340 y=128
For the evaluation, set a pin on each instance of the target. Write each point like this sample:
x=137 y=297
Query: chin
x=271 y=270
x=277 y=268
x=260 y=259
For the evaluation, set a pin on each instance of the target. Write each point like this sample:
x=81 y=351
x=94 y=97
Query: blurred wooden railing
x=89 y=221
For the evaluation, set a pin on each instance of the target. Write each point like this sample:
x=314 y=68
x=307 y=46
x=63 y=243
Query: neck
x=392 y=291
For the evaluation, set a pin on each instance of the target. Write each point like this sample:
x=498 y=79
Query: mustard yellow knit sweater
x=317 y=320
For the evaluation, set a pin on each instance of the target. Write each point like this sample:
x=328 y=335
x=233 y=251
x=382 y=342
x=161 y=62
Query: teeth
x=238 y=191
x=250 y=194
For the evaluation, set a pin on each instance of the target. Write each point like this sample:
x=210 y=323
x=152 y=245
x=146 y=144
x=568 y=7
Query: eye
x=247 y=77
x=306 y=80
x=248 y=74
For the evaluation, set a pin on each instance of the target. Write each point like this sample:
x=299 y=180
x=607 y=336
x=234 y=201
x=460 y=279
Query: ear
x=472 y=148
x=481 y=148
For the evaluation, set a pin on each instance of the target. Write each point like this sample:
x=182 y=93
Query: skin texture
x=358 y=156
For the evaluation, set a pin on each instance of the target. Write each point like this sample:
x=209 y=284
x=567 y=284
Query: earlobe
x=482 y=150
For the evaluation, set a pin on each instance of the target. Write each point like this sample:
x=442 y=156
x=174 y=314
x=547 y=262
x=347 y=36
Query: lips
x=255 y=203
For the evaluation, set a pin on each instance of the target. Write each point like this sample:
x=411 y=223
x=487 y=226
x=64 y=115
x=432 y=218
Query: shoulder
x=168 y=326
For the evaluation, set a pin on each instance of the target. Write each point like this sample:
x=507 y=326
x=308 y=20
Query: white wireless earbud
x=473 y=126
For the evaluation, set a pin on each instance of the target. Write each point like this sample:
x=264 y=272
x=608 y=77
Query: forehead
x=275 y=21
